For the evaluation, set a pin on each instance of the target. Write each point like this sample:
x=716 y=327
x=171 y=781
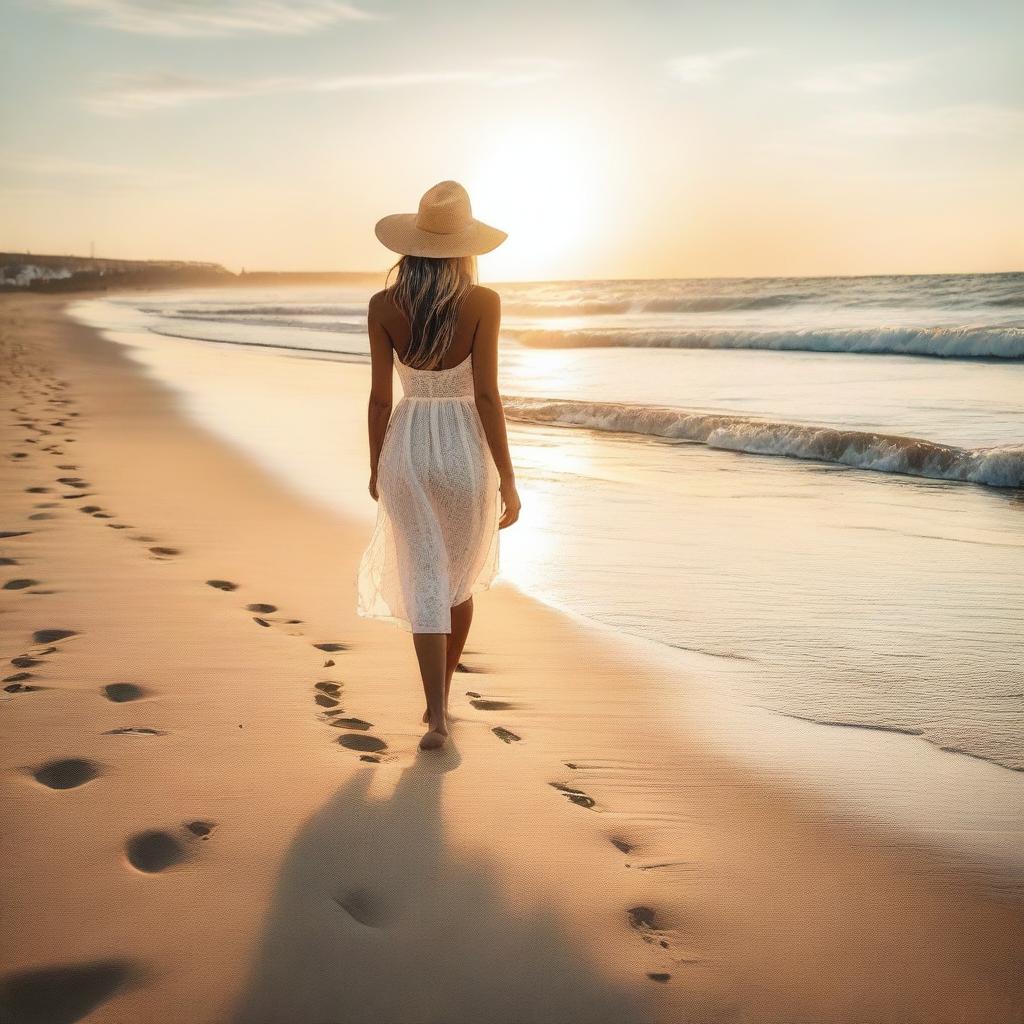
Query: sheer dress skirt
x=435 y=541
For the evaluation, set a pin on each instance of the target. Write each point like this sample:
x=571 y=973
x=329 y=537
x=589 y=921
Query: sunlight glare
x=535 y=181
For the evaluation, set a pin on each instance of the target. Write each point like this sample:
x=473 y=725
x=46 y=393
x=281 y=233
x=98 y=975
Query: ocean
x=809 y=486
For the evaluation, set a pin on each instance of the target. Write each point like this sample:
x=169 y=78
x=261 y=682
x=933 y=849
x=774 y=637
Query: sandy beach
x=216 y=811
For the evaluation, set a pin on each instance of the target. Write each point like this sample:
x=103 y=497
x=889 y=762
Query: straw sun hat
x=443 y=227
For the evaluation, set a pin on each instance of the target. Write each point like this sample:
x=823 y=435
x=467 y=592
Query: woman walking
x=440 y=469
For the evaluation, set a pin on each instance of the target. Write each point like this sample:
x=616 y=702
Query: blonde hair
x=430 y=292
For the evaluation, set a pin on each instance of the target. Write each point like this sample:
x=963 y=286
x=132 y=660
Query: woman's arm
x=488 y=403
x=379 y=409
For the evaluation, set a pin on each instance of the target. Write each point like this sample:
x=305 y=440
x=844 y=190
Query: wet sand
x=216 y=810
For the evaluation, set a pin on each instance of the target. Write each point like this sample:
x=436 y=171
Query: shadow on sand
x=376 y=919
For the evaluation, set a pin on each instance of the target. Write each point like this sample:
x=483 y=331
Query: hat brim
x=398 y=232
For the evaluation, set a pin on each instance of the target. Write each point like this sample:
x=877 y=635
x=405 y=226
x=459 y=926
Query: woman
x=440 y=468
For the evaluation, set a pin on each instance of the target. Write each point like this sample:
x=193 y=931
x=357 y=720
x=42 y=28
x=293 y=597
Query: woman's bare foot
x=435 y=738
x=426 y=715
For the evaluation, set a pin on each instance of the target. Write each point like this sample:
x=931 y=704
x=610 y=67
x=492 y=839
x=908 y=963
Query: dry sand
x=217 y=840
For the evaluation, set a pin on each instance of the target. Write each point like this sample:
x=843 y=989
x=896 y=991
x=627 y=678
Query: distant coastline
x=31 y=272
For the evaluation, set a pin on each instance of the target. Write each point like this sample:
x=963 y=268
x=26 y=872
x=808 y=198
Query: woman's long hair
x=430 y=292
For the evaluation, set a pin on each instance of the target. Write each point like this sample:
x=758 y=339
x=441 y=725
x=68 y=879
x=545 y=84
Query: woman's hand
x=373 y=486
x=510 y=504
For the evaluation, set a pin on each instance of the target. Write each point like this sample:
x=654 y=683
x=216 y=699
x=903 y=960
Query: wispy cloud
x=60 y=166
x=704 y=67
x=57 y=173
x=859 y=77
x=122 y=95
x=191 y=18
x=977 y=119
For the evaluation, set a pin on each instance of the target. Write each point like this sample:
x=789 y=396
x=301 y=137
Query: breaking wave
x=942 y=342
x=1001 y=466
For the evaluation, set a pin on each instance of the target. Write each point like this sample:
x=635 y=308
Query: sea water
x=812 y=485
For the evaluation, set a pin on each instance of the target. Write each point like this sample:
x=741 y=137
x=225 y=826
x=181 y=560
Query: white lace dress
x=435 y=542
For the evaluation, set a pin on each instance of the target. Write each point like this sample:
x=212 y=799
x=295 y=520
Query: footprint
x=642 y=921
x=222 y=584
x=362 y=906
x=8 y=561
x=120 y=693
x=621 y=845
x=327 y=686
x=490 y=705
x=162 y=552
x=19 y=584
x=330 y=648
x=350 y=723
x=154 y=851
x=201 y=828
x=14 y=533
x=24 y=661
x=62 y=995
x=20 y=687
x=658 y=976
x=264 y=609
x=51 y=636
x=68 y=774
x=259 y=621
x=325 y=701
x=354 y=741
x=505 y=735
x=135 y=730
x=72 y=481
x=577 y=796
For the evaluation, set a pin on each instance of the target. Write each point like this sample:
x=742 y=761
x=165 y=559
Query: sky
x=610 y=140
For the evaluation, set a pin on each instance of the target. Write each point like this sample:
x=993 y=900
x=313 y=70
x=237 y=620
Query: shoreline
x=606 y=844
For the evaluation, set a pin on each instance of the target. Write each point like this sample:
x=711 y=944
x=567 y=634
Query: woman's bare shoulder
x=381 y=301
x=484 y=298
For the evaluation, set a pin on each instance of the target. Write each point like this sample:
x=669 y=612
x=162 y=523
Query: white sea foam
x=947 y=342
x=1000 y=466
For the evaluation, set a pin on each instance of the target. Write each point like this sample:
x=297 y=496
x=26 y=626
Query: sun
x=536 y=181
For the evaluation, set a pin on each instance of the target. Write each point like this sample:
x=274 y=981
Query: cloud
x=854 y=78
x=977 y=119
x=22 y=172
x=192 y=18
x=123 y=95
x=703 y=67
x=60 y=166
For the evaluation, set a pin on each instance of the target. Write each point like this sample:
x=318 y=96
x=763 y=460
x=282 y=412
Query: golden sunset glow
x=535 y=182
x=678 y=140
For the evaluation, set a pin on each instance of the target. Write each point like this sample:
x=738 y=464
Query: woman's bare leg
x=431 y=654
x=462 y=619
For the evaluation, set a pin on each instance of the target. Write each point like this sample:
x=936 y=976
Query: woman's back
x=478 y=303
